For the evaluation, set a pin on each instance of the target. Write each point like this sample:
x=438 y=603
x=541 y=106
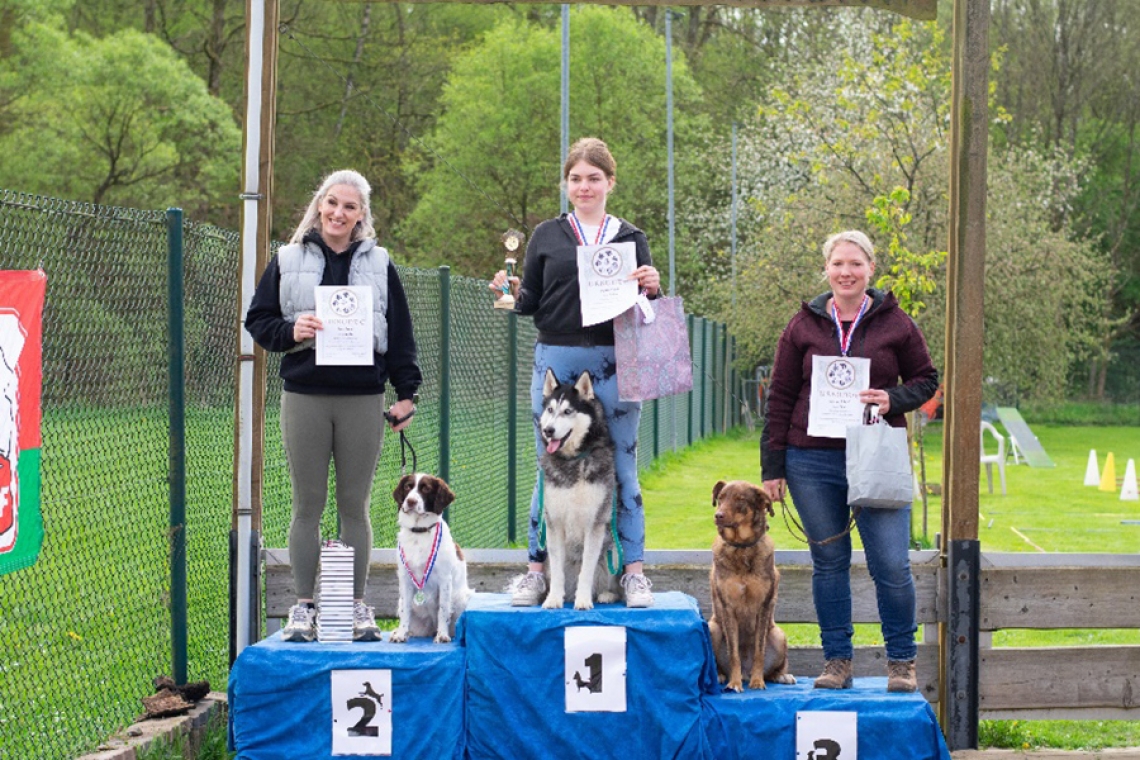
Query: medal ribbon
x=430 y=561
x=845 y=337
x=580 y=233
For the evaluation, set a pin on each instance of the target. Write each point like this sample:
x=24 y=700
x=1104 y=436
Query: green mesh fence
x=85 y=630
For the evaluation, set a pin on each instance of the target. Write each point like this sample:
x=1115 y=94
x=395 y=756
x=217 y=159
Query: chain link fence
x=85 y=629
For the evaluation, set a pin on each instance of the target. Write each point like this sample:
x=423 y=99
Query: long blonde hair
x=312 y=218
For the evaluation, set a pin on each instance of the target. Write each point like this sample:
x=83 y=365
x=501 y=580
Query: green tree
x=119 y=120
x=500 y=130
x=863 y=143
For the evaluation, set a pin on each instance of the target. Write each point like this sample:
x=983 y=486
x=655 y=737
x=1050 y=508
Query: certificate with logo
x=345 y=337
x=835 y=385
x=603 y=280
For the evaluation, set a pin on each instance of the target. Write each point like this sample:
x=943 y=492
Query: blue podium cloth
x=763 y=723
x=516 y=699
x=280 y=697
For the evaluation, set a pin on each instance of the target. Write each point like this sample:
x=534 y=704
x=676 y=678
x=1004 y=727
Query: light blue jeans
x=817 y=482
x=623 y=418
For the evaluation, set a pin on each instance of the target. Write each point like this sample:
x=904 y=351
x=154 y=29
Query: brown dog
x=744 y=582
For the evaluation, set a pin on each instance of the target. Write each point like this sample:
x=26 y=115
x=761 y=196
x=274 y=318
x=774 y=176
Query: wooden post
x=958 y=638
x=249 y=412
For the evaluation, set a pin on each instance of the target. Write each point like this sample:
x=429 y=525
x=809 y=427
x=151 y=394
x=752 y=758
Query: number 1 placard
x=595 y=669
x=361 y=712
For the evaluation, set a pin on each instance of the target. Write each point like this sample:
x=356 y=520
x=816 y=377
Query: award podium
x=526 y=682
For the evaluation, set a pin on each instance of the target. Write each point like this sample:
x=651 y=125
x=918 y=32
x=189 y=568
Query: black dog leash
x=405 y=444
x=803 y=536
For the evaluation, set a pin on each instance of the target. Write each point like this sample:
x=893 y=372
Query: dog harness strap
x=428 y=566
x=616 y=548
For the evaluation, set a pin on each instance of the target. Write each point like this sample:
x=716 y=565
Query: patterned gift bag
x=653 y=357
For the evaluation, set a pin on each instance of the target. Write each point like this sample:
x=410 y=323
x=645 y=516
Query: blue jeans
x=817 y=482
x=623 y=418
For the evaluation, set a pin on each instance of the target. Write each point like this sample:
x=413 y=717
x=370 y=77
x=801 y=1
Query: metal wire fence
x=85 y=629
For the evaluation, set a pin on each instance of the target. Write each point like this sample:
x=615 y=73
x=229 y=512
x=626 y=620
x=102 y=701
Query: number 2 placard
x=361 y=712
x=595 y=669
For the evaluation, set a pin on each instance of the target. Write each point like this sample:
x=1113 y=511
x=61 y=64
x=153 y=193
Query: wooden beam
x=923 y=10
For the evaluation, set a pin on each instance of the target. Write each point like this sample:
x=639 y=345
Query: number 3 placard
x=361 y=712
x=826 y=735
x=595 y=669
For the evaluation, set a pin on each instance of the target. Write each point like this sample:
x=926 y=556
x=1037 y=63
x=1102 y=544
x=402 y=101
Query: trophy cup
x=512 y=241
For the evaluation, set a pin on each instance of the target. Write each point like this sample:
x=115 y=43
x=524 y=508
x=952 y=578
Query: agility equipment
x=1128 y=491
x=1092 y=471
x=1108 y=476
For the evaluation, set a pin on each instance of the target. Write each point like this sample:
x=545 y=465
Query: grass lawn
x=1044 y=510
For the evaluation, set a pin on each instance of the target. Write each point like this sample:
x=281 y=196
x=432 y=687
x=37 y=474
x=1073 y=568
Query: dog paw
x=553 y=602
x=442 y=638
x=583 y=603
x=787 y=678
x=736 y=686
x=757 y=683
x=607 y=597
x=399 y=636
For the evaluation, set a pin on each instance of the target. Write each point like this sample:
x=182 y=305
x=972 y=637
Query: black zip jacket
x=549 y=289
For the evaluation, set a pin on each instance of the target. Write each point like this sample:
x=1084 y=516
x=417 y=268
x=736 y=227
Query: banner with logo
x=21 y=341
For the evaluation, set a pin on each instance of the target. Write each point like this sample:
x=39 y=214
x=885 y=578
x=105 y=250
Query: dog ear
x=585 y=386
x=766 y=502
x=717 y=489
x=444 y=496
x=402 y=489
x=550 y=383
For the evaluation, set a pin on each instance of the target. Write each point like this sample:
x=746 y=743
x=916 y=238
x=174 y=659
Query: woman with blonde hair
x=334 y=412
x=857 y=320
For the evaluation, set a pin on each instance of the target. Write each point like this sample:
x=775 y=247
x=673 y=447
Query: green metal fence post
x=704 y=367
x=512 y=422
x=445 y=372
x=696 y=381
x=726 y=382
x=177 y=472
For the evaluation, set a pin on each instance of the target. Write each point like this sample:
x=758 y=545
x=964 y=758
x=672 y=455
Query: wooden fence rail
x=1019 y=591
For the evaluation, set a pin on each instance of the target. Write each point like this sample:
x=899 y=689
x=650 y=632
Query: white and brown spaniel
x=433 y=574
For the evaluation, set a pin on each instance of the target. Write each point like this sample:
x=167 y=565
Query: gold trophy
x=512 y=241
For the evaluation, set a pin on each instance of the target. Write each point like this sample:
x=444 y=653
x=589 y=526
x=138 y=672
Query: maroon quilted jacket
x=886 y=335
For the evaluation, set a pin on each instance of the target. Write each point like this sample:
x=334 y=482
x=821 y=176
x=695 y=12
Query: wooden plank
x=490 y=571
x=1060 y=677
x=1027 y=442
x=1060 y=597
x=924 y=10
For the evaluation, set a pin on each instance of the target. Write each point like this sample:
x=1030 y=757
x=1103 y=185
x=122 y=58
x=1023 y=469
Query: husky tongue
x=553 y=446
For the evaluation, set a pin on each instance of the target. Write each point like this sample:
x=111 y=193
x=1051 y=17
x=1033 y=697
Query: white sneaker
x=364 y=626
x=529 y=590
x=637 y=593
x=302 y=625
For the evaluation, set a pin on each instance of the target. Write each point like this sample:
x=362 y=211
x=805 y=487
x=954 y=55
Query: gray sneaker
x=364 y=626
x=302 y=625
x=529 y=590
x=637 y=593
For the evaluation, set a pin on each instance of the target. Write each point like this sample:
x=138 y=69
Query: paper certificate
x=835 y=385
x=345 y=337
x=603 y=272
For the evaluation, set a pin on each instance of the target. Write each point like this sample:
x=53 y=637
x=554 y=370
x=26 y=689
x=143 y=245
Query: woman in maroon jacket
x=855 y=320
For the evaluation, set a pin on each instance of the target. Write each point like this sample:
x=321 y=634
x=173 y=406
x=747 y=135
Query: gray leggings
x=349 y=430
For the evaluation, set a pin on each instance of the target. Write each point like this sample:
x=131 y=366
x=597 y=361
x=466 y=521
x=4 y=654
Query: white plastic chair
x=989 y=460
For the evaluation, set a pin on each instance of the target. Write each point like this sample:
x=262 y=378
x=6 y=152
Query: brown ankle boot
x=901 y=676
x=836 y=675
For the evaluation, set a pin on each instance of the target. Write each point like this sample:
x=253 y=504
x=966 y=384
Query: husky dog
x=578 y=470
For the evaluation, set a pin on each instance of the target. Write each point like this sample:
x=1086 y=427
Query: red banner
x=21 y=341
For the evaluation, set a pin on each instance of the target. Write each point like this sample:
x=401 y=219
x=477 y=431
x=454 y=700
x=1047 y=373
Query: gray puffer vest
x=303 y=264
